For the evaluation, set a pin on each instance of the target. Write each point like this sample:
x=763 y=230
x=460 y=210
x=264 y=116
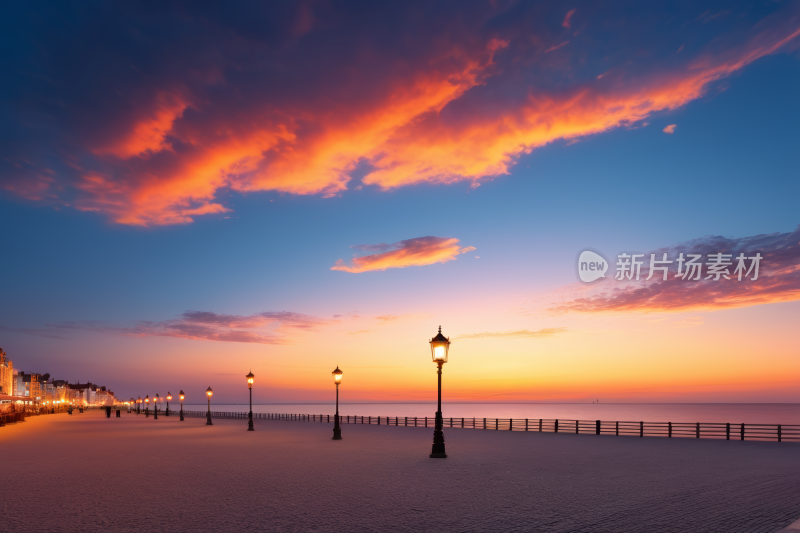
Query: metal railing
x=697 y=430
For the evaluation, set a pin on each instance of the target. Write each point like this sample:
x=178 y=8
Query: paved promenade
x=88 y=473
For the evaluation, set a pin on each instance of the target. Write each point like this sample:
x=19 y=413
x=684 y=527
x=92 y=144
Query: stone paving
x=89 y=473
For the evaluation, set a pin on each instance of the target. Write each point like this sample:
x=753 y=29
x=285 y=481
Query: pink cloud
x=556 y=47
x=260 y=328
x=516 y=334
x=410 y=252
x=567 y=20
x=778 y=280
x=670 y=129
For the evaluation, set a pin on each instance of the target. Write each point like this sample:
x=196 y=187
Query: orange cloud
x=670 y=129
x=410 y=252
x=447 y=107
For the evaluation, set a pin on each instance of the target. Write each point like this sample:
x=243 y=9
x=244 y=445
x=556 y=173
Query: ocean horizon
x=751 y=413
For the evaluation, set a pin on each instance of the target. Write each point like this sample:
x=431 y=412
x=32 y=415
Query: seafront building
x=40 y=388
x=6 y=374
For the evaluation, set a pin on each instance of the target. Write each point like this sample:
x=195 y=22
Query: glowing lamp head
x=337 y=375
x=147 y=399
x=440 y=345
x=250 y=377
x=157 y=398
x=181 y=395
x=169 y=396
x=209 y=392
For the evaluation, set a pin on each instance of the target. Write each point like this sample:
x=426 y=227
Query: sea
x=735 y=413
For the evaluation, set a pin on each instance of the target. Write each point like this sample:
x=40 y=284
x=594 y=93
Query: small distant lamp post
x=250 y=377
x=209 y=393
x=169 y=397
x=138 y=405
x=337 y=430
x=131 y=405
x=155 y=407
x=440 y=345
x=181 y=396
x=147 y=406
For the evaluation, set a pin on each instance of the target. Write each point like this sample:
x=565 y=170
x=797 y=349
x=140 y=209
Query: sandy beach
x=87 y=473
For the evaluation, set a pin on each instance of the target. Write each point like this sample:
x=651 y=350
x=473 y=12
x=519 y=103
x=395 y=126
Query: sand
x=88 y=473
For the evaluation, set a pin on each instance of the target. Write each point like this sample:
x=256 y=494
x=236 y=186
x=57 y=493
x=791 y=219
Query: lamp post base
x=437 y=451
x=250 y=422
x=208 y=420
x=337 y=430
x=181 y=415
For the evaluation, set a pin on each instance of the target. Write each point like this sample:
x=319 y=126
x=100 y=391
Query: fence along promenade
x=697 y=430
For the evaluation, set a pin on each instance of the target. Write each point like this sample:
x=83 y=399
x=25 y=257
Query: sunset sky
x=190 y=192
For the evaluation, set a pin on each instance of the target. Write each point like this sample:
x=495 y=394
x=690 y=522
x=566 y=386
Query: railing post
x=641 y=429
x=511 y=424
x=697 y=431
x=484 y=423
x=742 y=431
x=426 y=421
x=556 y=431
x=526 y=424
x=616 y=428
x=540 y=425
x=596 y=427
x=728 y=431
x=669 y=429
x=496 y=424
x=462 y=422
x=779 y=433
x=576 y=427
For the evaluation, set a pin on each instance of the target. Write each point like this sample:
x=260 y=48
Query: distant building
x=6 y=374
x=32 y=384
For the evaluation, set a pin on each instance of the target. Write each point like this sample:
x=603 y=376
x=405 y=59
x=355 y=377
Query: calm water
x=765 y=413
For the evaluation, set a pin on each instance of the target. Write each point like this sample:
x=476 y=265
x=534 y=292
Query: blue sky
x=729 y=168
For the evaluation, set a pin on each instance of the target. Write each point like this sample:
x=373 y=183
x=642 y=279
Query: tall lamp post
x=169 y=397
x=181 y=396
x=147 y=406
x=337 y=430
x=139 y=405
x=440 y=345
x=155 y=406
x=209 y=393
x=250 y=377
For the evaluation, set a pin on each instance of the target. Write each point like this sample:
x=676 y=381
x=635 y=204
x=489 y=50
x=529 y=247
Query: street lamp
x=440 y=345
x=155 y=407
x=147 y=406
x=181 y=396
x=337 y=430
x=169 y=397
x=250 y=377
x=209 y=393
x=138 y=405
